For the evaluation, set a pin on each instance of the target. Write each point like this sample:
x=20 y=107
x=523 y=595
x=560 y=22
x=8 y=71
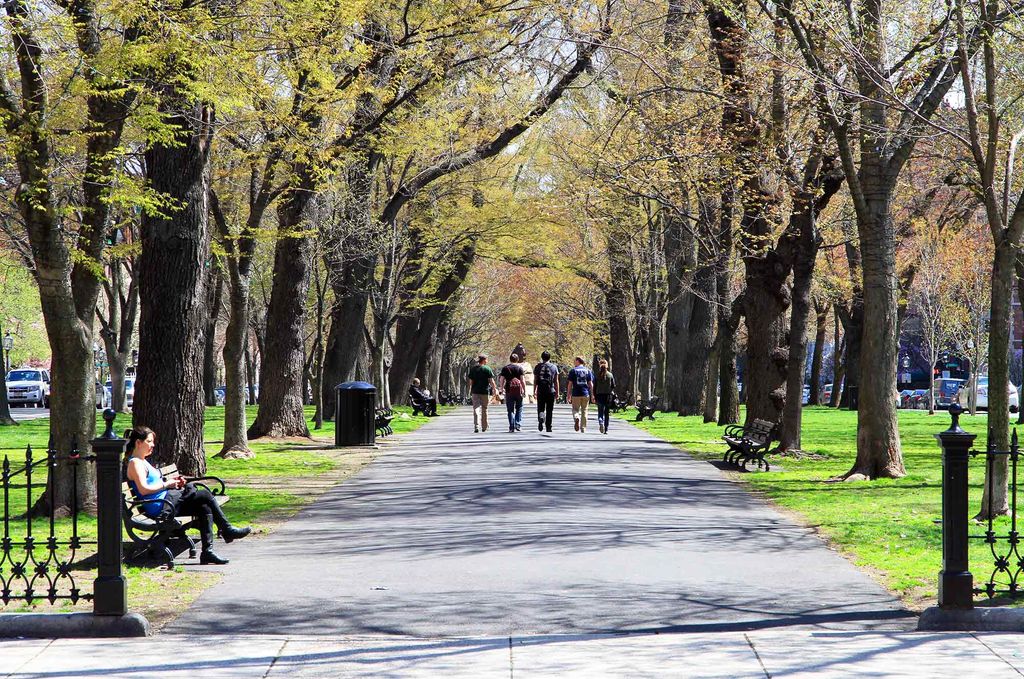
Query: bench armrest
x=203 y=482
x=733 y=430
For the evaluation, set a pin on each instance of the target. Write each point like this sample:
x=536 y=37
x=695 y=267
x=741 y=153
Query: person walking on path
x=579 y=392
x=481 y=385
x=514 y=386
x=604 y=385
x=545 y=389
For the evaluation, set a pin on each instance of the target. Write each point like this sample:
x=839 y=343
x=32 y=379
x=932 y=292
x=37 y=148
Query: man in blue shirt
x=579 y=391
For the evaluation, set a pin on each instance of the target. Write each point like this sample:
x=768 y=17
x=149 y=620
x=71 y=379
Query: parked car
x=826 y=393
x=919 y=399
x=964 y=397
x=30 y=386
x=905 y=395
x=220 y=394
x=129 y=391
x=806 y=398
x=946 y=390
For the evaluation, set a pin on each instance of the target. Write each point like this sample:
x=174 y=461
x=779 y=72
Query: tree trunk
x=281 y=401
x=172 y=275
x=711 y=388
x=1019 y=267
x=767 y=298
x=432 y=375
x=414 y=343
x=236 y=443
x=615 y=297
x=215 y=291
x=821 y=328
x=994 y=500
x=117 y=327
x=351 y=266
x=878 y=440
x=838 y=359
x=729 y=393
x=700 y=337
x=679 y=255
x=803 y=270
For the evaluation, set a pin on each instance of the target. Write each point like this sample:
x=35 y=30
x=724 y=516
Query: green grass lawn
x=264 y=489
x=886 y=526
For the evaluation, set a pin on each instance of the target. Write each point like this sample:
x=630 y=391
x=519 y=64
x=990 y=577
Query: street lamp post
x=8 y=345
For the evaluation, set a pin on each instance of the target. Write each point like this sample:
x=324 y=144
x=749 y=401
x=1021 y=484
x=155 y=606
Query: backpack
x=515 y=387
x=545 y=377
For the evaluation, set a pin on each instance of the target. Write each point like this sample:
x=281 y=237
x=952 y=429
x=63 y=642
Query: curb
x=72 y=625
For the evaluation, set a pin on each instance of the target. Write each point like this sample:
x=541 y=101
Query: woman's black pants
x=602 y=409
x=200 y=504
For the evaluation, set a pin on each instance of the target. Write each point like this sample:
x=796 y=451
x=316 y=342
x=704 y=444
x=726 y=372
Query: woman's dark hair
x=136 y=433
x=602 y=369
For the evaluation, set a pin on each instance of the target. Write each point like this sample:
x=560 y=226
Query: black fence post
x=956 y=584
x=110 y=590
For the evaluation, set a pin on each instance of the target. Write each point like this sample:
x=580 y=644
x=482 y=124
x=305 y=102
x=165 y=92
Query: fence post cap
x=108 y=416
x=954 y=413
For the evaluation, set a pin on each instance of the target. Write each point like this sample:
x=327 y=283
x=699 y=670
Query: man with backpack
x=579 y=391
x=514 y=385
x=545 y=389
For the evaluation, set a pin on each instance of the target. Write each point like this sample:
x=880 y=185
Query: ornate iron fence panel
x=42 y=565
x=1007 y=576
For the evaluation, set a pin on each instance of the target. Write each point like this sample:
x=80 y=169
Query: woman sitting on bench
x=179 y=497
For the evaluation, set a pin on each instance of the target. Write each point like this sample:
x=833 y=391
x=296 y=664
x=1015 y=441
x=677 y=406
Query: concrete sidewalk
x=727 y=655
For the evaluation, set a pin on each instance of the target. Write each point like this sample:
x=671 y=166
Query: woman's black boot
x=231 y=533
x=208 y=556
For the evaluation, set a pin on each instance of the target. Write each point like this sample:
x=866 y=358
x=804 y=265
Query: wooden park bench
x=750 y=443
x=154 y=536
x=646 y=409
x=382 y=422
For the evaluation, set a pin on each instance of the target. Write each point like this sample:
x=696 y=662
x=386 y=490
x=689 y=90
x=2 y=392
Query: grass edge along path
x=285 y=475
x=890 y=527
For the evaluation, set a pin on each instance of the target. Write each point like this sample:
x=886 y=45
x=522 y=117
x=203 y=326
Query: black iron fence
x=54 y=558
x=1001 y=534
x=43 y=558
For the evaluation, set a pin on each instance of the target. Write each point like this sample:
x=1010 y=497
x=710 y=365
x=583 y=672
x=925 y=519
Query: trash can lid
x=357 y=386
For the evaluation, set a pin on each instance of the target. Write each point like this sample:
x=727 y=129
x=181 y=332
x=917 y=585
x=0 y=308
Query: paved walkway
x=497 y=534
x=530 y=555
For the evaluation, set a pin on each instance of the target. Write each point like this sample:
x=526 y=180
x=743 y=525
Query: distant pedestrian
x=421 y=396
x=545 y=389
x=604 y=386
x=579 y=391
x=514 y=386
x=481 y=386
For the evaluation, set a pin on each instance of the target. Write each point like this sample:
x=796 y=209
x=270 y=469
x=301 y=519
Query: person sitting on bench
x=176 y=496
x=421 y=399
